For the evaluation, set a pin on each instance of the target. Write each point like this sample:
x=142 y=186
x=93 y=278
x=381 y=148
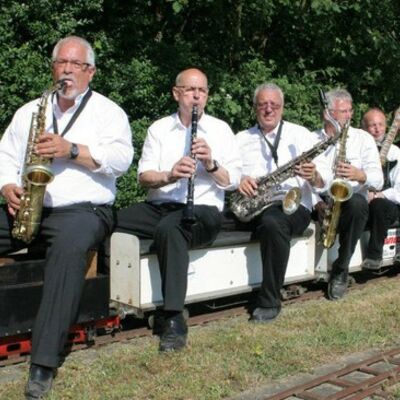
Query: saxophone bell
x=291 y=201
x=340 y=190
x=39 y=175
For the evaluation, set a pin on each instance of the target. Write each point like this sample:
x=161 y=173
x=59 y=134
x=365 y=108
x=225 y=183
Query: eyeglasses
x=76 y=64
x=192 y=89
x=346 y=111
x=272 y=105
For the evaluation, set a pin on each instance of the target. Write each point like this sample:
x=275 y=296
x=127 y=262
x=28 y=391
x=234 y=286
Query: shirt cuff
x=99 y=156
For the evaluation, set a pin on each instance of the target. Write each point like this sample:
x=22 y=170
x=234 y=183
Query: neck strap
x=84 y=101
x=274 y=147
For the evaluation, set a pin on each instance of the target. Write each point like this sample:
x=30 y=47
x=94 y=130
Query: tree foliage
x=302 y=45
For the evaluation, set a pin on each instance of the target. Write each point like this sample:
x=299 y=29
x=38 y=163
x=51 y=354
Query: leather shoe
x=372 y=265
x=264 y=315
x=337 y=286
x=174 y=333
x=39 y=382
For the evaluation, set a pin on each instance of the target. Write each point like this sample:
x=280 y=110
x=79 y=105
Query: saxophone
x=390 y=137
x=339 y=191
x=384 y=150
x=36 y=175
x=246 y=208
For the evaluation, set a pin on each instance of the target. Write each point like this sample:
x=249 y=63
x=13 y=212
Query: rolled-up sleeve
x=231 y=161
x=114 y=152
x=12 y=149
x=150 y=158
x=371 y=164
x=393 y=193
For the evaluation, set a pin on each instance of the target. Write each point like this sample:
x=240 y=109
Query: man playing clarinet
x=180 y=159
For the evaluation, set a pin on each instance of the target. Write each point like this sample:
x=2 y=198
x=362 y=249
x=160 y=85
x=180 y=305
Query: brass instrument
x=36 y=175
x=387 y=166
x=339 y=191
x=388 y=140
x=246 y=208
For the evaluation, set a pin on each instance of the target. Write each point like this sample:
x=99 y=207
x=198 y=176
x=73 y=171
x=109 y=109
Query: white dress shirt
x=103 y=126
x=258 y=160
x=362 y=153
x=167 y=141
x=393 y=193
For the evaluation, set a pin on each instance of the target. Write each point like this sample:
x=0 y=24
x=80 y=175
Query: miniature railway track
x=370 y=377
x=226 y=311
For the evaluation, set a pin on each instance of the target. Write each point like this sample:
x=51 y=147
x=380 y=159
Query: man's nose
x=67 y=67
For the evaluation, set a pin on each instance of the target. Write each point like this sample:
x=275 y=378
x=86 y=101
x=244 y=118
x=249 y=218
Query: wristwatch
x=214 y=168
x=74 y=151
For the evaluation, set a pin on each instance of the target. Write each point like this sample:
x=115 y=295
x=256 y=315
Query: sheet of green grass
x=229 y=356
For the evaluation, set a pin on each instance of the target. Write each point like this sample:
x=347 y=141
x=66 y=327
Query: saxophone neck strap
x=274 y=147
x=84 y=101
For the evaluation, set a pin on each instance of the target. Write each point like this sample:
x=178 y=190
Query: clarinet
x=188 y=212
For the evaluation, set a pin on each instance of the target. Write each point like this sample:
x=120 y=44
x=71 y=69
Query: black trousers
x=68 y=233
x=382 y=214
x=352 y=222
x=275 y=229
x=172 y=241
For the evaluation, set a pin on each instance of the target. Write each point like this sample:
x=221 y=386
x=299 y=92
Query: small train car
x=125 y=280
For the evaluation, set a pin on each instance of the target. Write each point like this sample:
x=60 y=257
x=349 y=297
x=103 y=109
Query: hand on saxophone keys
x=308 y=171
x=52 y=146
x=350 y=172
x=12 y=194
x=248 y=186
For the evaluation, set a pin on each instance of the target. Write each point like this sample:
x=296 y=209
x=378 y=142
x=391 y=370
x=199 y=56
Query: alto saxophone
x=36 y=175
x=339 y=191
x=246 y=208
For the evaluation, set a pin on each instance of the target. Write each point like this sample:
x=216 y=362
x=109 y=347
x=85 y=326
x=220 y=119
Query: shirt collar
x=201 y=124
x=78 y=100
x=271 y=134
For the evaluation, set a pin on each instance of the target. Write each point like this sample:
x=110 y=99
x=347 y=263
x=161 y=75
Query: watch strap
x=74 y=151
x=214 y=168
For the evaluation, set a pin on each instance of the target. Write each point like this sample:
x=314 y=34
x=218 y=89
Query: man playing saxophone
x=383 y=205
x=271 y=143
x=358 y=166
x=88 y=137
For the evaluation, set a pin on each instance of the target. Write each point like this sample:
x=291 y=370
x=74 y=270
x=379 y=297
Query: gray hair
x=90 y=57
x=267 y=86
x=338 y=94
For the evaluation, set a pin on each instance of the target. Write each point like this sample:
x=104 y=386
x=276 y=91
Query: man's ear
x=175 y=93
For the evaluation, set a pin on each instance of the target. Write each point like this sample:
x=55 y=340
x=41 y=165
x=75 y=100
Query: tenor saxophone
x=339 y=191
x=36 y=175
x=246 y=208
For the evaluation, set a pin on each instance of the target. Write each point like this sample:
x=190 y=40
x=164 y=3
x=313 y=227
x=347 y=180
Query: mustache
x=67 y=79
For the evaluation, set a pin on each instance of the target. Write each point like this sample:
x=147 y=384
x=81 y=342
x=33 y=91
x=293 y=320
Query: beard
x=69 y=93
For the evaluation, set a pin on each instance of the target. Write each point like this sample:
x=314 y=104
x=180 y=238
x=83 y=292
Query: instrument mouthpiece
x=60 y=85
x=323 y=99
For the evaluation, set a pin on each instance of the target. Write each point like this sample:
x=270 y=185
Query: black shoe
x=371 y=265
x=264 y=315
x=337 y=286
x=39 y=382
x=174 y=333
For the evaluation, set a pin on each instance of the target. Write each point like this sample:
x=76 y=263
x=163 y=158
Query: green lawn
x=229 y=356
